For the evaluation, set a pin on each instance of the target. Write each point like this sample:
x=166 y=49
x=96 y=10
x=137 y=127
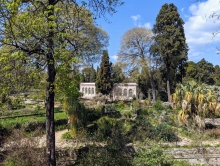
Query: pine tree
x=170 y=42
x=104 y=82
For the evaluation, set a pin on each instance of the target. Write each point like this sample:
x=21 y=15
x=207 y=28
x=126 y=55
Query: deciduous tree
x=135 y=52
x=39 y=30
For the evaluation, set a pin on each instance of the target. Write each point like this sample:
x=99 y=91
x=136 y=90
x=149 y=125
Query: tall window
x=86 y=91
x=130 y=93
x=125 y=92
x=119 y=92
x=82 y=90
x=92 y=90
x=89 y=91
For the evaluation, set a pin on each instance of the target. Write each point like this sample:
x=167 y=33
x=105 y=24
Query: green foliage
x=66 y=135
x=94 y=114
x=104 y=83
x=89 y=74
x=117 y=73
x=142 y=129
x=204 y=72
x=135 y=104
x=151 y=155
x=37 y=109
x=165 y=133
x=113 y=153
x=107 y=155
x=144 y=111
x=110 y=107
x=121 y=104
x=170 y=42
x=77 y=114
x=11 y=123
x=158 y=106
x=216 y=75
x=105 y=125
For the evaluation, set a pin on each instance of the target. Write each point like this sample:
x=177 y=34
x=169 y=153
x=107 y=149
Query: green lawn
x=19 y=121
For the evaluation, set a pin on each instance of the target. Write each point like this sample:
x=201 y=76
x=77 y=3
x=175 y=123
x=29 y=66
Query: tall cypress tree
x=93 y=74
x=170 y=42
x=104 y=82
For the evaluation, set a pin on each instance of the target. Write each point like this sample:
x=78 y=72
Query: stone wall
x=201 y=155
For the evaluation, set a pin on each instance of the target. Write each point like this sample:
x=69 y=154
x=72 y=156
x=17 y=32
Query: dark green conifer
x=170 y=42
x=104 y=82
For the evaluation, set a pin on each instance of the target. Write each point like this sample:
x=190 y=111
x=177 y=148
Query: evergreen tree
x=93 y=74
x=89 y=74
x=191 y=71
x=216 y=75
x=204 y=72
x=117 y=73
x=104 y=82
x=170 y=43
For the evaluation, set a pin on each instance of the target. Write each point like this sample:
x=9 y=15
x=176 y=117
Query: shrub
x=110 y=107
x=147 y=102
x=94 y=114
x=143 y=111
x=37 y=109
x=105 y=125
x=121 y=104
x=101 y=156
x=165 y=133
x=3 y=134
x=24 y=153
x=151 y=155
x=158 y=105
x=66 y=135
x=136 y=104
x=213 y=133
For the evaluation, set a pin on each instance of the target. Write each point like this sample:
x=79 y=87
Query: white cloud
x=115 y=57
x=148 y=25
x=182 y=9
x=195 y=55
x=200 y=26
x=136 y=17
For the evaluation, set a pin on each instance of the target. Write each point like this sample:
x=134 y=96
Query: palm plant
x=196 y=101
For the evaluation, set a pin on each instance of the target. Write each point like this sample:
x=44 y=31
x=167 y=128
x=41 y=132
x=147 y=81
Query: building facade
x=121 y=91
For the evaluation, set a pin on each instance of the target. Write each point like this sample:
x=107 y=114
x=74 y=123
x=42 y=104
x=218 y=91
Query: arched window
x=86 y=91
x=89 y=91
x=119 y=92
x=92 y=90
x=130 y=93
x=82 y=90
x=125 y=92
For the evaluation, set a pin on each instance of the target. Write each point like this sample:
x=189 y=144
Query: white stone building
x=121 y=91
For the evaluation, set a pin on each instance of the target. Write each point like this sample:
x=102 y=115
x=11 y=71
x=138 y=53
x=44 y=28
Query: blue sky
x=199 y=26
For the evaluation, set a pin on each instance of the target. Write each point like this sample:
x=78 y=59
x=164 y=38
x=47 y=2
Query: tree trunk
x=168 y=82
x=152 y=86
x=149 y=96
x=50 y=129
x=51 y=73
